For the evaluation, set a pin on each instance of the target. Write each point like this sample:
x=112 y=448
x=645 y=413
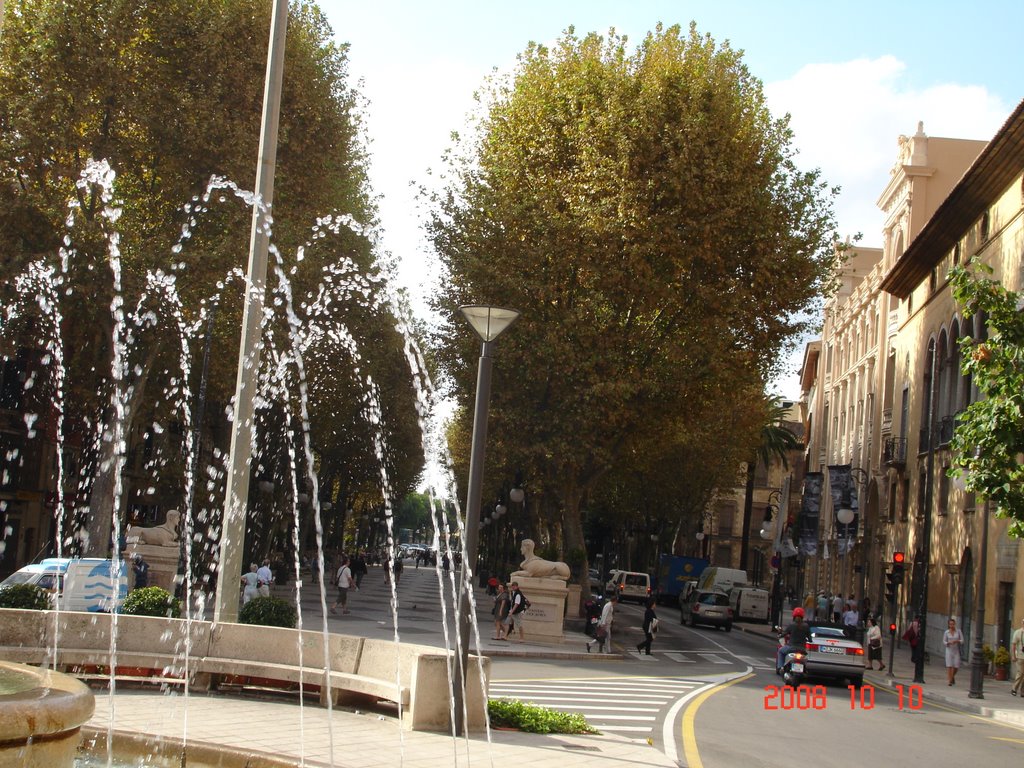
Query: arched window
x=926 y=397
x=955 y=394
x=945 y=377
x=965 y=396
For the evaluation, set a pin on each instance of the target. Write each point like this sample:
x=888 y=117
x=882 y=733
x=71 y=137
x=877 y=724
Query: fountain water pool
x=41 y=716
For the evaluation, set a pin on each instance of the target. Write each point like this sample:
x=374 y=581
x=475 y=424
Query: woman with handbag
x=873 y=637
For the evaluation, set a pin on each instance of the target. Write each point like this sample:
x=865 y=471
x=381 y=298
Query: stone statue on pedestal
x=537 y=567
x=165 y=535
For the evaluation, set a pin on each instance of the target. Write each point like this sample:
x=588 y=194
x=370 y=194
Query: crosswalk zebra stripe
x=755 y=662
x=593 y=686
x=680 y=657
x=713 y=658
x=620 y=708
x=582 y=699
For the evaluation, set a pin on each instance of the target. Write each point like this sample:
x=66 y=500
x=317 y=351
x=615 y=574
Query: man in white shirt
x=345 y=582
x=264 y=578
x=603 y=633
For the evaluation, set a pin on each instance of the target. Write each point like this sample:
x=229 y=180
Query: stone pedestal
x=163 y=564
x=572 y=604
x=543 y=619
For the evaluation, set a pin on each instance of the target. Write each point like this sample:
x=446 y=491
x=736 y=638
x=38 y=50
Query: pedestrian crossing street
x=628 y=706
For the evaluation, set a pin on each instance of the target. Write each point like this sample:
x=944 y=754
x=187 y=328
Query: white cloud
x=847 y=117
x=846 y=120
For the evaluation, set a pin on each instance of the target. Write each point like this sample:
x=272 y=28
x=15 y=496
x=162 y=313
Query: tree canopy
x=169 y=93
x=989 y=439
x=643 y=210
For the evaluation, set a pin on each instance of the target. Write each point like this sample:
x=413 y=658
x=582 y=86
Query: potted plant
x=988 y=654
x=1002 y=662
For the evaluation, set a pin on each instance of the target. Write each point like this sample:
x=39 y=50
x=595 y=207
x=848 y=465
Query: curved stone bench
x=352 y=670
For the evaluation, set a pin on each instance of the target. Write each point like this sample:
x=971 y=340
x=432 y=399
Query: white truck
x=720 y=579
x=76 y=584
x=750 y=603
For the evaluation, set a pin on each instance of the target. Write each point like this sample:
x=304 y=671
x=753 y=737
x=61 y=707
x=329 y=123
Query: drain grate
x=582 y=747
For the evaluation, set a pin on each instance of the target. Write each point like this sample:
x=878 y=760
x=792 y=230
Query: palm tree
x=776 y=442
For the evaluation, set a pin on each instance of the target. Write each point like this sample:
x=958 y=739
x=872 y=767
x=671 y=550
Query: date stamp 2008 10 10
x=786 y=697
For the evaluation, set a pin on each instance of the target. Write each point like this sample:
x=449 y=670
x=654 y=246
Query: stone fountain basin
x=41 y=716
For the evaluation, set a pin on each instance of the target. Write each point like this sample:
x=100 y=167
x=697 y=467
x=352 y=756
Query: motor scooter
x=793 y=666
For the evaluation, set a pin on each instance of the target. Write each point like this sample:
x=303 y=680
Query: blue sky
x=852 y=75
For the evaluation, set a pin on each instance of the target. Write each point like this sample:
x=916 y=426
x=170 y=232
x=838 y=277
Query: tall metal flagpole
x=232 y=537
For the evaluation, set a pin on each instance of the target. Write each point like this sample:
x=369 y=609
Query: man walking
x=345 y=583
x=1017 y=656
x=603 y=633
x=518 y=606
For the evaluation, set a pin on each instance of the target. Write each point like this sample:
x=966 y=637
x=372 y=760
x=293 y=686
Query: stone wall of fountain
x=41 y=717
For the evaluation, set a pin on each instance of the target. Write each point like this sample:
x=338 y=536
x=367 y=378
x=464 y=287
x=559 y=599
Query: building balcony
x=894 y=452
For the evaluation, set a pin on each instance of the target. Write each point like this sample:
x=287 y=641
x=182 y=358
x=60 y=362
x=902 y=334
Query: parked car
x=596 y=582
x=831 y=654
x=707 y=607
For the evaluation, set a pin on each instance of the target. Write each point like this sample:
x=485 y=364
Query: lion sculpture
x=165 y=535
x=537 y=567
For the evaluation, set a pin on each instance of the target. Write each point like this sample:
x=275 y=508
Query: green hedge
x=25 y=596
x=510 y=713
x=151 y=601
x=269 y=612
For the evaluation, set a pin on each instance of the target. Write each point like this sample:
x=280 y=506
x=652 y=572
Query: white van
x=630 y=585
x=750 y=603
x=721 y=579
x=77 y=584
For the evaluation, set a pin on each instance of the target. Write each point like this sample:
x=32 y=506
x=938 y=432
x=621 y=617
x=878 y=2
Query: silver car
x=709 y=607
x=831 y=654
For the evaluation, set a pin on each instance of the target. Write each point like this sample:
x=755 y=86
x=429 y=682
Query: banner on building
x=844 y=496
x=810 y=514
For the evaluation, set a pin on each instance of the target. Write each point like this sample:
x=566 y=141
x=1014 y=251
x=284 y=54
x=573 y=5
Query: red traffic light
x=899 y=558
x=892 y=628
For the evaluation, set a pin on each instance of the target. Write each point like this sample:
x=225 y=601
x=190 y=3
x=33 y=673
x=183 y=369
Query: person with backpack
x=518 y=604
x=650 y=627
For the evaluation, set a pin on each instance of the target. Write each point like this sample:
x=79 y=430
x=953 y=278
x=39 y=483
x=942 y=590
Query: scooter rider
x=797 y=635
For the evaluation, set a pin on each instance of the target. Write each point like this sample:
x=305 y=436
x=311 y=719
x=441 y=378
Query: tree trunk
x=748 y=513
x=100 y=525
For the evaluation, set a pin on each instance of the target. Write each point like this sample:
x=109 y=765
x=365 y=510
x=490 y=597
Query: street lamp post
x=229 y=571
x=977 y=689
x=977 y=655
x=489 y=323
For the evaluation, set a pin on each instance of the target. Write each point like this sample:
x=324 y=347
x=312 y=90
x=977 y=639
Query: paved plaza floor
x=349 y=740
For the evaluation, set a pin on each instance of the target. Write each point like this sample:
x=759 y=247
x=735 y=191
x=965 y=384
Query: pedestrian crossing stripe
x=679 y=657
x=714 y=658
x=765 y=663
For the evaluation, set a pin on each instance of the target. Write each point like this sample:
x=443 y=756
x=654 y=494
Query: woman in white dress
x=952 y=639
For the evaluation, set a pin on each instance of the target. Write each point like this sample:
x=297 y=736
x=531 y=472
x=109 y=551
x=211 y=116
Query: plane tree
x=643 y=209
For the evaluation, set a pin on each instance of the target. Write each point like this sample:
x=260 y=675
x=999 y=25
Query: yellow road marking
x=689 y=737
x=1003 y=738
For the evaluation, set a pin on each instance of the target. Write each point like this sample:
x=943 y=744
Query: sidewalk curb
x=1009 y=716
x=878 y=679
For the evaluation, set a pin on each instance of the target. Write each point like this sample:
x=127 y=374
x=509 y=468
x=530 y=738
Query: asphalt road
x=706 y=697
